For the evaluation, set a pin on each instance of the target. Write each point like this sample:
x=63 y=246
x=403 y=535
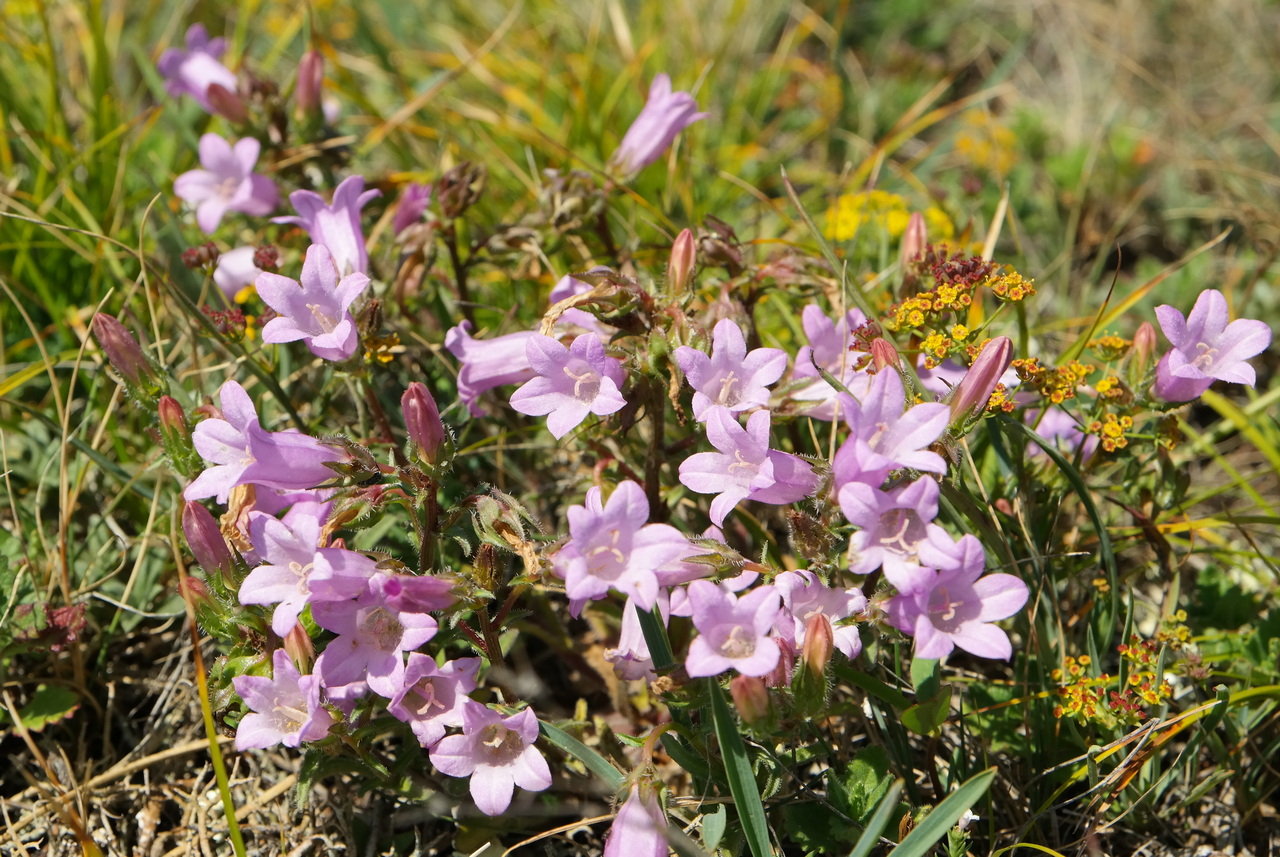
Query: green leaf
x=929 y=832
x=925 y=717
x=925 y=678
x=713 y=824
x=595 y=763
x=49 y=704
x=884 y=812
x=742 y=781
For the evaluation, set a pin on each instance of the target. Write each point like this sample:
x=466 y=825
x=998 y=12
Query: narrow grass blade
x=1106 y=555
x=742 y=780
x=926 y=834
x=595 y=763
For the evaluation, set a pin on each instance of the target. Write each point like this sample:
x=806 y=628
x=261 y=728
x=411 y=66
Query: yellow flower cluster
x=1111 y=431
x=1011 y=287
x=1055 y=384
x=884 y=211
x=381 y=348
x=1110 y=348
x=1086 y=699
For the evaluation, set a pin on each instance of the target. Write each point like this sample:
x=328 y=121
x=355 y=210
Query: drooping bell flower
x=665 y=115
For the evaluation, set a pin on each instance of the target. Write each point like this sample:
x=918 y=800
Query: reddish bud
x=914 y=240
x=780 y=675
x=975 y=388
x=175 y=434
x=227 y=104
x=206 y=541
x=200 y=256
x=819 y=642
x=300 y=647
x=266 y=258
x=1144 y=348
x=422 y=420
x=884 y=355
x=126 y=356
x=310 y=82
x=684 y=258
x=750 y=697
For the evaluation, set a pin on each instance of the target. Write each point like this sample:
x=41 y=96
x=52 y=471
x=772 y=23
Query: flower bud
x=819 y=642
x=126 y=356
x=884 y=355
x=301 y=649
x=914 y=240
x=750 y=697
x=1140 y=354
x=684 y=257
x=780 y=675
x=227 y=104
x=206 y=541
x=176 y=436
x=310 y=82
x=422 y=420
x=975 y=388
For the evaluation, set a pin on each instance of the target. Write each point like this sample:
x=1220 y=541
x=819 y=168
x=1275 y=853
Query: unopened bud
x=176 y=436
x=206 y=541
x=126 y=356
x=914 y=238
x=266 y=257
x=422 y=421
x=1144 y=348
x=684 y=257
x=975 y=388
x=300 y=648
x=200 y=256
x=227 y=104
x=884 y=355
x=310 y=82
x=819 y=642
x=750 y=697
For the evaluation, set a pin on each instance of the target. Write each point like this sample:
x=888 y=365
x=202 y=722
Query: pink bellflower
x=884 y=437
x=227 y=182
x=488 y=363
x=733 y=633
x=414 y=200
x=192 y=71
x=611 y=546
x=371 y=639
x=570 y=382
x=805 y=596
x=244 y=453
x=315 y=310
x=640 y=827
x=744 y=468
x=235 y=271
x=497 y=753
x=297 y=571
x=434 y=697
x=830 y=348
x=1206 y=348
x=631 y=658
x=730 y=377
x=665 y=115
x=892 y=524
x=952 y=604
x=285 y=708
x=336 y=225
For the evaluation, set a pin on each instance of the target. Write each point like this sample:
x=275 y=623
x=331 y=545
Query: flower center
x=941 y=605
x=421 y=699
x=586 y=381
x=739 y=643
x=728 y=396
x=322 y=318
x=740 y=463
x=1207 y=356
x=227 y=187
x=502 y=744
x=382 y=628
x=602 y=558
